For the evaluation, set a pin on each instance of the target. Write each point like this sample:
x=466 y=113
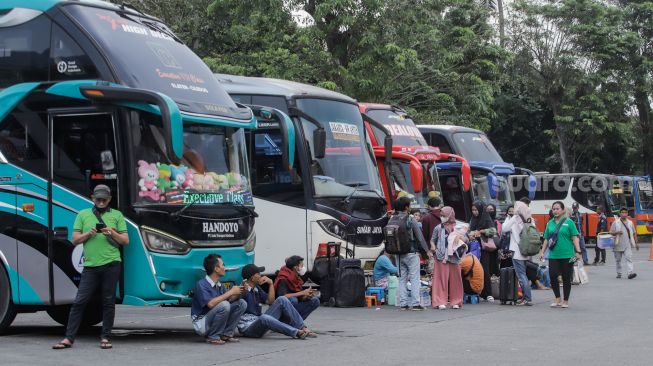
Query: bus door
x=8 y=225
x=83 y=155
x=453 y=195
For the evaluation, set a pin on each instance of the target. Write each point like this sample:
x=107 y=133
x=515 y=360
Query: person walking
x=482 y=228
x=601 y=227
x=432 y=218
x=447 y=282
x=562 y=242
x=626 y=237
x=579 y=219
x=409 y=263
x=102 y=230
x=514 y=226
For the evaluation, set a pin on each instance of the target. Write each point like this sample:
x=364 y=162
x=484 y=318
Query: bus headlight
x=333 y=227
x=250 y=244
x=162 y=243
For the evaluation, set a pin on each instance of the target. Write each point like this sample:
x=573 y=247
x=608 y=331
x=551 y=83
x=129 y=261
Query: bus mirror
x=417 y=176
x=319 y=143
x=493 y=185
x=170 y=114
x=270 y=118
x=532 y=186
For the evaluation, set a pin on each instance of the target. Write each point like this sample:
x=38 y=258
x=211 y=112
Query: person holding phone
x=215 y=311
x=289 y=283
x=101 y=230
x=563 y=243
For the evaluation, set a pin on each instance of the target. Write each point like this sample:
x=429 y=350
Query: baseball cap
x=250 y=270
x=101 y=191
x=574 y=205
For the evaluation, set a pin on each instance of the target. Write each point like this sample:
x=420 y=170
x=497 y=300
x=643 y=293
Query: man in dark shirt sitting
x=254 y=323
x=289 y=284
x=215 y=312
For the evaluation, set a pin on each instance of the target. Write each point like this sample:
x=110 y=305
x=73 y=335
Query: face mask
x=302 y=271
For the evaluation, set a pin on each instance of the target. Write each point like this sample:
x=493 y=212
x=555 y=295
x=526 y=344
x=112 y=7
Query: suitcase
x=508 y=286
x=494 y=286
x=343 y=285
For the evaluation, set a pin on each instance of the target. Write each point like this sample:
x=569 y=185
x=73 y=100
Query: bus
x=589 y=190
x=413 y=163
x=80 y=107
x=634 y=193
x=332 y=194
x=490 y=174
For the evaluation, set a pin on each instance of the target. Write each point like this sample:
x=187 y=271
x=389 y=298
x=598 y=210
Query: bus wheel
x=7 y=307
x=92 y=314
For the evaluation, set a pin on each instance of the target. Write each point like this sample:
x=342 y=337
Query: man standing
x=601 y=227
x=577 y=218
x=626 y=237
x=254 y=323
x=102 y=230
x=215 y=312
x=432 y=218
x=409 y=263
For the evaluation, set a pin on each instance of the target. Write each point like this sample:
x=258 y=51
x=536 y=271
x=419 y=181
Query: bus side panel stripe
x=11 y=96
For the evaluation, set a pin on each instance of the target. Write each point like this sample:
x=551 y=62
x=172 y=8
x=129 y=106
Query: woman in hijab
x=514 y=225
x=482 y=228
x=448 y=244
x=492 y=211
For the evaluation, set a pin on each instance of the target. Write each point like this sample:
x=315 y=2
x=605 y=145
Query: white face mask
x=302 y=271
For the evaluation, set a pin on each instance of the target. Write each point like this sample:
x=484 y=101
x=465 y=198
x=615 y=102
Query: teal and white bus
x=97 y=93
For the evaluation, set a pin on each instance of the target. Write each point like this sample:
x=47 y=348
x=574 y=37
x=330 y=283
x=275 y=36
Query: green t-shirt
x=97 y=250
x=565 y=246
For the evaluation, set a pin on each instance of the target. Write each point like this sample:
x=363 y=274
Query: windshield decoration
x=401 y=130
x=166 y=183
x=344 y=131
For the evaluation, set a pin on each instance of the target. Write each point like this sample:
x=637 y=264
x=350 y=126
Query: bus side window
x=68 y=61
x=439 y=141
x=84 y=153
x=24 y=139
x=24 y=52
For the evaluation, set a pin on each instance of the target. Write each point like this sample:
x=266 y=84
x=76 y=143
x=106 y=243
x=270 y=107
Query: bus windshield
x=401 y=127
x=347 y=168
x=145 y=54
x=213 y=169
x=645 y=195
x=505 y=196
x=475 y=146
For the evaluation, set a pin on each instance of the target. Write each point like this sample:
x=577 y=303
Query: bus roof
x=235 y=84
x=448 y=128
x=45 y=5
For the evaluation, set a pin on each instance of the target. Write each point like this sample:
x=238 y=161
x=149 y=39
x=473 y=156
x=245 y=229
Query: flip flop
x=302 y=334
x=62 y=345
x=105 y=344
x=215 y=342
x=230 y=339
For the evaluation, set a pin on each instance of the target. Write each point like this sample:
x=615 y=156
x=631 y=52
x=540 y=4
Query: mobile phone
x=573 y=259
x=99 y=226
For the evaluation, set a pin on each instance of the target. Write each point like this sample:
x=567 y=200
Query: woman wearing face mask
x=447 y=284
x=492 y=211
x=289 y=284
x=482 y=227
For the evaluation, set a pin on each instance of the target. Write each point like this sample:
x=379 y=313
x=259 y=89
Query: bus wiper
x=157 y=27
x=124 y=5
x=177 y=213
x=241 y=208
x=357 y=185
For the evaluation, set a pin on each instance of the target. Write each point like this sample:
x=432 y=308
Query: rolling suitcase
x=508 y=286
x=344 y=282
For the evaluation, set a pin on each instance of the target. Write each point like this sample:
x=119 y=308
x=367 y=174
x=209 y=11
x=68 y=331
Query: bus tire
x=7 y=307
x=92 y=314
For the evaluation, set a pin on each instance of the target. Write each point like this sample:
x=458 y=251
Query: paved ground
x=609 y=322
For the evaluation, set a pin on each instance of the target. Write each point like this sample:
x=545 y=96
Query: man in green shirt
x=102 y=230
x=563 y=244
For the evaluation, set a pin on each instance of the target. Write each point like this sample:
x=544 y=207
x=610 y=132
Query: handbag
x=580 y=275
x=553 y=238
x=488 y=244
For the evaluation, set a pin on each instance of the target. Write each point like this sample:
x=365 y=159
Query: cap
x=250 y=270
x=101 y=191
x=574 y=205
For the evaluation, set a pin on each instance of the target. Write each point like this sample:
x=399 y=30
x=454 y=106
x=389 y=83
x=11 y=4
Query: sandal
x=215 y=342
x=105 y=344
x=556 y=305
x=302 y=334
x=230 y=339
x=311 y=334
x=62 y=345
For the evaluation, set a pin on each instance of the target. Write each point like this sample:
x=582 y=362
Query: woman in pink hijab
x=447 y=242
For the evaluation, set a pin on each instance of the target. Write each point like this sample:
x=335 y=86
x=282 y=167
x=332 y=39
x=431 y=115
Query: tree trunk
x=644 y=111
x=502 y=23
x=566 y=158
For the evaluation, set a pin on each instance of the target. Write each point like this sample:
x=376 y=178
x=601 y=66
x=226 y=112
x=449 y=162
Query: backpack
x=529 y=239
x=398 y=235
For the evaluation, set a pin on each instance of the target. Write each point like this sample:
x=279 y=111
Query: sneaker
x=456 y=307
x=442 y=307
x=632 y=275
x=490 y=299
x=602 y=262
x=417 y=308
x=405 y=307
x=524 y=303
x=618 y=275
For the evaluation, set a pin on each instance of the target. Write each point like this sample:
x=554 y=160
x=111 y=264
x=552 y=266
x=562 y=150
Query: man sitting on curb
x=215 y=311
x=253 y=323
x=290 y=284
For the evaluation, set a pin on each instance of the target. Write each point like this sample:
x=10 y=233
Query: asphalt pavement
x=609 y=322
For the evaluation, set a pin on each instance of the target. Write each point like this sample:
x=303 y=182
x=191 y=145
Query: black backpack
x=398 y=235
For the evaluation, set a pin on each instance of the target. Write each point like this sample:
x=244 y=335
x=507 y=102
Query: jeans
x=543 y=276
x=520 y=270
x=561 y=267
x=628 y=257
x=105 y=276
x=223 y=318
x=583 y=250
x=409 y=270
x=270 y=320
x=304 y=308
